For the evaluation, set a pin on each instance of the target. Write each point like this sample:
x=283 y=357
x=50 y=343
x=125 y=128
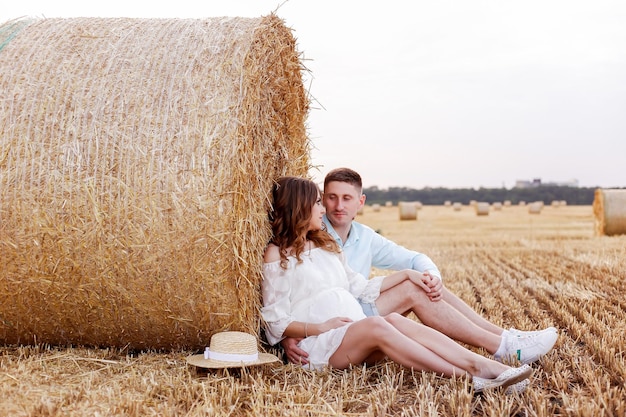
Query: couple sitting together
x=320 y=305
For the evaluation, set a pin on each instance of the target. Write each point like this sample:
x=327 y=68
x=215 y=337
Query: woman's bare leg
x=447 y=348
x=406 y=342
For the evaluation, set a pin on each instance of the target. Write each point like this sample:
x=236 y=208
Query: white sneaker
x=528 y=348
x=531 y=332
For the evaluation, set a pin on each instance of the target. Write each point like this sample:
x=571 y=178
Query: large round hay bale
x=407 y=210
x=482 y=208
x=136 y=162
x=535 y=207
x=609 y=209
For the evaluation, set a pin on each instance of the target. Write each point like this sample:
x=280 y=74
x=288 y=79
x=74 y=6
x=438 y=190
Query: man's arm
x=294 y=354
x=387 y=254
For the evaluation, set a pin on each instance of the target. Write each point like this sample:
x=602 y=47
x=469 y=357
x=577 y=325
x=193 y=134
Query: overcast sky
x=456 y=93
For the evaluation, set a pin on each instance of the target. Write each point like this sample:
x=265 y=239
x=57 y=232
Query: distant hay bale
x=497 y=206
x=136 y=161
x=482 y=208
x=555 y=203
x=535 y=208
x=447 y=203
x=407 y=210
x=609 y=209
x=522 y=203
x=457 y=206
x=389 y=204
x=473 y=203
x=507 y=203
x=418 y=205
x=376 y=208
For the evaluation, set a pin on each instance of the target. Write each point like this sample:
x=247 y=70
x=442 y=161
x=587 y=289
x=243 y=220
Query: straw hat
x=229 y=350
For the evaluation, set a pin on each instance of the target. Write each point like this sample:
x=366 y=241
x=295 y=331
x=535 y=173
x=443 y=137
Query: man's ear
x=362 y=199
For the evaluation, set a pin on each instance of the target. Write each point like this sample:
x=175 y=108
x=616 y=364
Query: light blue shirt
x=365 y=249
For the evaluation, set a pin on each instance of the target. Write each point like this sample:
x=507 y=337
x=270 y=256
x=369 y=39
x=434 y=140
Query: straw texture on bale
x=136 y=161
x=609 y=209
x=408 y=210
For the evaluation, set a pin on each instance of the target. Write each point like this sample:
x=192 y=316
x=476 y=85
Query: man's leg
x=441 y=315
x=468 y=312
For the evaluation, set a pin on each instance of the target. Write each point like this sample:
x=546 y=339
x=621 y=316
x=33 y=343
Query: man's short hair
x=344 y=175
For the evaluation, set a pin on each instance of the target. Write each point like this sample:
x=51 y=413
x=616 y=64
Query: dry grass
x=518 y=269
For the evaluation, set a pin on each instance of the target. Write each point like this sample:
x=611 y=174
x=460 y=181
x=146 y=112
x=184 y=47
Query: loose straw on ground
x=136 y=160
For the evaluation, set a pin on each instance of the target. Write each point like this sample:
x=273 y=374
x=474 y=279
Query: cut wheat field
x=518 y=269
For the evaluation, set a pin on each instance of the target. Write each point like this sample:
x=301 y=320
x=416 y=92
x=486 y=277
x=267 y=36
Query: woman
x=310 y=292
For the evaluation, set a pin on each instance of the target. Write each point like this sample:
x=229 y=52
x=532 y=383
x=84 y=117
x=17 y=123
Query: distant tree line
x=438 y=196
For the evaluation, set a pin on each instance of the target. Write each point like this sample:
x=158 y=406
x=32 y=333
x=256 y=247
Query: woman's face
x=318 y=210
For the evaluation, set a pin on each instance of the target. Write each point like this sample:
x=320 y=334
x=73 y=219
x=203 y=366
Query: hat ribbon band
x=230 y=357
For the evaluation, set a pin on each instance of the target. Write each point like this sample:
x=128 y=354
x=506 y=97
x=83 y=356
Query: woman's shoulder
x=272 y=254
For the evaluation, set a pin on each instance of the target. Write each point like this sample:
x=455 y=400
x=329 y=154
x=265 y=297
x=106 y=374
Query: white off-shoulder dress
x=321 y=287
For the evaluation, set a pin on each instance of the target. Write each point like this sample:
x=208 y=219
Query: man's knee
x=412 y=293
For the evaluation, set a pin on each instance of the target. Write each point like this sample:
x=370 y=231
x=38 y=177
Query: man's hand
x=298 y=356
x=294 y=354
x=436 y=287
x=423 y=281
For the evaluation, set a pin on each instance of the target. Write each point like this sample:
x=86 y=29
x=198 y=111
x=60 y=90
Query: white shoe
x=531 y=332
x=504 y=380
x=528 y=347
x=518 y=387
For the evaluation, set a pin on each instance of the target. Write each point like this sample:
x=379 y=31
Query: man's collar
x=353 y=233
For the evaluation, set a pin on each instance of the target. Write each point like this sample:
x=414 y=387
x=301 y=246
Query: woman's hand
x=298 y=356
x=334 y=323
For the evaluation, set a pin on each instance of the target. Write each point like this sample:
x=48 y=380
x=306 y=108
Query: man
x=437 y=308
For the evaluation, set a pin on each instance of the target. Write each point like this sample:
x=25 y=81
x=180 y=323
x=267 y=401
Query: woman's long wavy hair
x=293 y=200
